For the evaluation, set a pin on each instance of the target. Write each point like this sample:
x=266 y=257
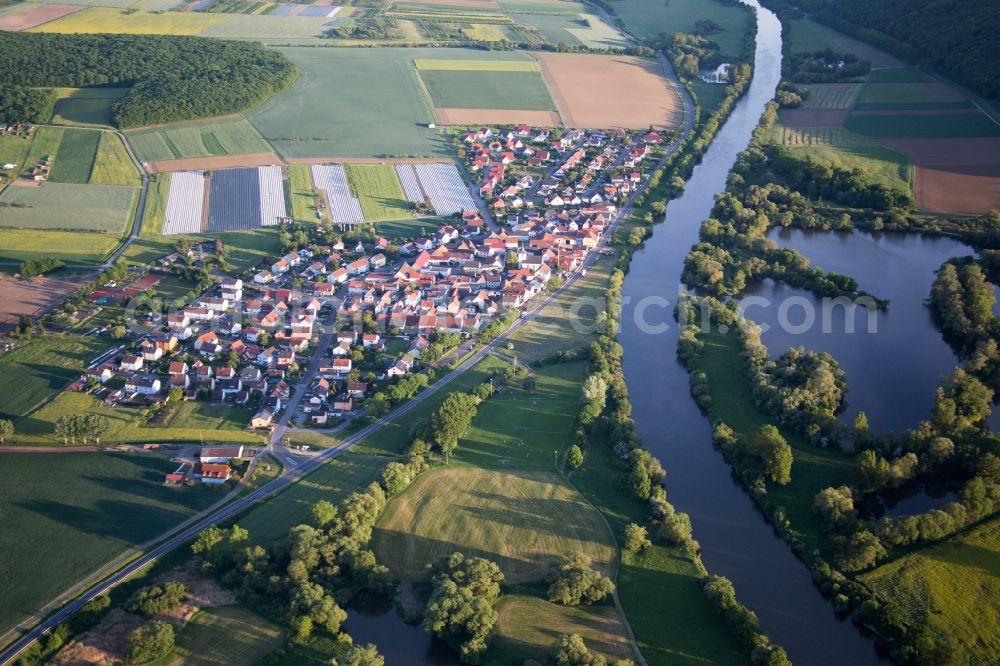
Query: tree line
x=171 y=78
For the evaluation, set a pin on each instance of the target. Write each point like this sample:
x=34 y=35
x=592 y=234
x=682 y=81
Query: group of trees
x=573 y=651
x=70 y=427
x=451 y=419
x=306 y=578
x=691 y=53
x=153 y=599
x=803 y=390
x=460 y=609
x=34 y=267
x=171 y=78
x=150 y=641
x=572 y=582
x=825 y=66
x=962 y=301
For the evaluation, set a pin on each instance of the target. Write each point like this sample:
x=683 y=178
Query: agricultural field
x=35 y=372
x=831 y=95
x=302 y=194
x=71 y=247
x=379 y=191
x=841 y=148
x=487 y=90
x=61 y=206
x=515 y=640
x=900 y=94
x=25 y=16
x=271 y=26
x=14 y=150
x=467 y=91
x=155 y=212
x=686 y=630
x=67 y=514
x=594 y=91
x=112 y=164
x=225 y=636
x=75 y=159
x=953 y=586
x=317 y=117
x=651 y=18
x=117 y=21
x=271 y=520
x=902 y=127
x=126 y=425
x=806 y=36
x=86 y=106
x=412 y=228
x=923 y=126
x=569 y=23
x=232 y=135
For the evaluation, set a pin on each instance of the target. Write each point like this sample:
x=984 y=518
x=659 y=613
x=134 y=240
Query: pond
x=894 y=358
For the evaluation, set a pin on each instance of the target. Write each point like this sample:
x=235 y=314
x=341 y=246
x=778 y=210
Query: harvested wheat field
x=957 y=189
x=30 y=16
x=218 y=162
x=954 y=175
x=32 y=297
x=497 y=117
x=813 y=117
x=597 y=91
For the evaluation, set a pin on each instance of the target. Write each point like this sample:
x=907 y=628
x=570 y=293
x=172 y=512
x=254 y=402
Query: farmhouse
x=212 y=474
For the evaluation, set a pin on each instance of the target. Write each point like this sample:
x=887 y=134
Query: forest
x=172 y=78
x=956 y=38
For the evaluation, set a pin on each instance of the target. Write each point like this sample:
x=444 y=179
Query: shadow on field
x=130 y=522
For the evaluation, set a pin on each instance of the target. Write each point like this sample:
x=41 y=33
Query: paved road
x=295 y=468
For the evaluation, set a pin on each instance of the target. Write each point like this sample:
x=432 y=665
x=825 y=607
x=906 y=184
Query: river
x=736 y=540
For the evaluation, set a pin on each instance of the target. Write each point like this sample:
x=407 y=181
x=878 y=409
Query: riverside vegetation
x=802 y=391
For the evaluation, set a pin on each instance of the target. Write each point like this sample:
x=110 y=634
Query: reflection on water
x=375 y=620
x=893 y=371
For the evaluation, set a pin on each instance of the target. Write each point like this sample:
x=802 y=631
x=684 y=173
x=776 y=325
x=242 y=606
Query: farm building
x=220 y=454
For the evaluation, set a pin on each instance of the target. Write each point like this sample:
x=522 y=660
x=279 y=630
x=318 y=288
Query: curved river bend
x=736 y=540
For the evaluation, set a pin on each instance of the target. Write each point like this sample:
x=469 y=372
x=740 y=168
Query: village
x=386 y=309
